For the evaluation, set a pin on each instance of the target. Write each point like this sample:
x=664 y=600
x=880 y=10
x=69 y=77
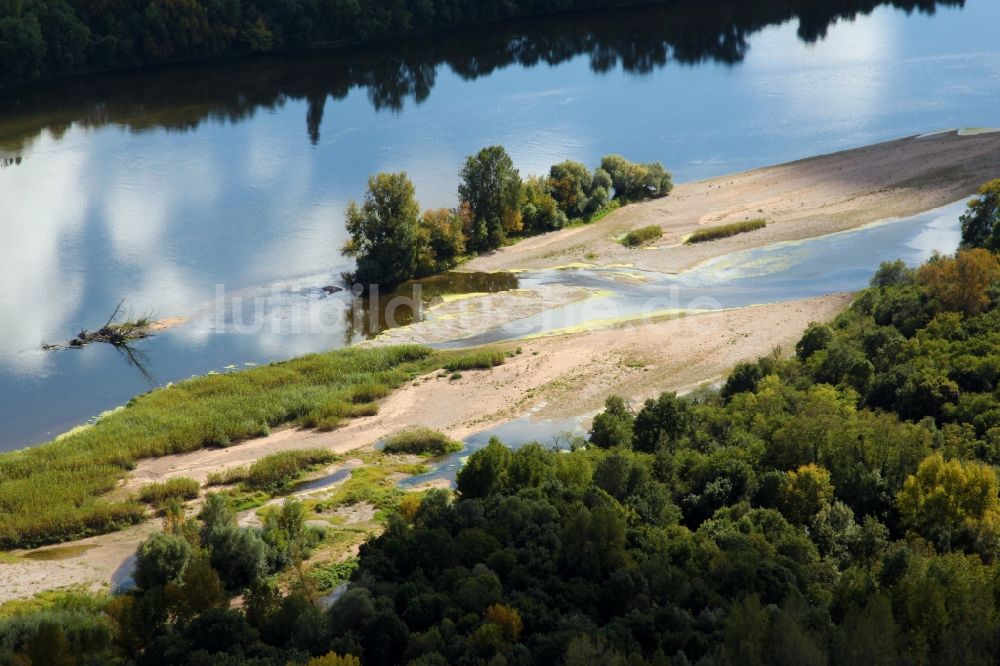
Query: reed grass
x=274 y=472
x=726 y=230
x=54 y=492
x=478 y=360
x=642 y=235
x=180 y=488
x=421 y=440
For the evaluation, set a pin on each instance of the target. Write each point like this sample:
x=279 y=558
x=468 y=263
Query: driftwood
x=118 y=334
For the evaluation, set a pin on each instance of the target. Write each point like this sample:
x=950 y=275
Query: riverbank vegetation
x=274 y=472
x=837 y=506
x=392 y=242
x=174 y=489
x=726 y=230
x=483 y=359
x=53 y=492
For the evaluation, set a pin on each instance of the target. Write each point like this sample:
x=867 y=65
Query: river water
x=216 y=192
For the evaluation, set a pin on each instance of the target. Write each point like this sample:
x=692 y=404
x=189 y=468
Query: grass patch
x=72 y=598
x=329 y=575
x=55 y=491
x=374 y=484
x=180 y=488
x=642 y=236
x=275 y=472
x=420 y=440
x=479 y=360
x=726 y=230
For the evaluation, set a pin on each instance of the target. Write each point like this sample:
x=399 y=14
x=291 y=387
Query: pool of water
x=556 y=434
x=216 y=191
x=780 y=272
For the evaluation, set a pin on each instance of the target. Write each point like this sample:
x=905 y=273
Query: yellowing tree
x=960 y=283
x=952 y=504
x=334 y=659
x=805 y=491
x=508 y=619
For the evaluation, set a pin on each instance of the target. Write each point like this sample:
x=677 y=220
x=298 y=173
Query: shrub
x=726 y=230
x=480 y=360
x=642 y=235
x=421 y=440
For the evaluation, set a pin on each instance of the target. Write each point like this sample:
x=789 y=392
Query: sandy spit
x=802 y=199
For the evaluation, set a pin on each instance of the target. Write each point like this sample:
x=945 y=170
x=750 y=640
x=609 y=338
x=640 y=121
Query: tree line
x=638 y=39
x=392 y=241
x=42 y=39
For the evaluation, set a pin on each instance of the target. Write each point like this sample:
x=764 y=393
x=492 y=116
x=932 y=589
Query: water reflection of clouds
x=147 y=204
x=43 y=208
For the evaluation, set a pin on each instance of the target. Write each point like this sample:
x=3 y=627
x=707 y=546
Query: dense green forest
x=838 y=506
x=393 y=242
x=42 y=39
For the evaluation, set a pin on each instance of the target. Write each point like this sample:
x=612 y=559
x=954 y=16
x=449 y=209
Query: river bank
x=551 y=377
x=565 y=371
x=802 y=199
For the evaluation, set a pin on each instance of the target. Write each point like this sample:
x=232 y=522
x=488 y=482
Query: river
x=216 y=191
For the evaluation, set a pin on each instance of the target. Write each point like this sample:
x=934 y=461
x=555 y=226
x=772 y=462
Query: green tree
x=981 y=220
x=539 y=211
x=491 y=189
x=161 y=559
x=613 y=426
x=891 y=274
x=334 y=659
x=817 y=337
x=486 y=471
x=384 y=231
x=50 y=646
x=742 y=379
x=661 y=421
x=635 y=182
x=198 y=589
x=22 y=48
x=578 y=192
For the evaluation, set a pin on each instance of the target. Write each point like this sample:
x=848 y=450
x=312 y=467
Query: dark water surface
x=216 y=191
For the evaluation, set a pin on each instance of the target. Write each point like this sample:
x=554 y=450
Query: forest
x=44 y=39
x=839 y=505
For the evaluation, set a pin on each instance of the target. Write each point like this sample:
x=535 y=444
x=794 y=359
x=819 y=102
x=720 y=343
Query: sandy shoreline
x=552 y=377
x=803 y=199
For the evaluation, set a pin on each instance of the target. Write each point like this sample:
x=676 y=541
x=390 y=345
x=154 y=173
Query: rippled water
x=215 y=192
